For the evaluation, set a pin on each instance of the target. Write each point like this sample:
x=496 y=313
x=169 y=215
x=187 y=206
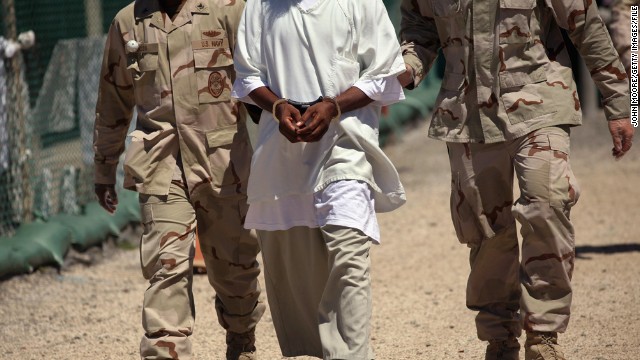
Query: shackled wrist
x=335 y=103
x=275 y=105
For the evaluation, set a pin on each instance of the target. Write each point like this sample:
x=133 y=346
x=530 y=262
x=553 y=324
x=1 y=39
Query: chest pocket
x=213 y=66
x=515 y=20
x=144 y=65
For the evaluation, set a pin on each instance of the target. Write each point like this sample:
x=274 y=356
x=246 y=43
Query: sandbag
x=33 y=245
x=95 y=225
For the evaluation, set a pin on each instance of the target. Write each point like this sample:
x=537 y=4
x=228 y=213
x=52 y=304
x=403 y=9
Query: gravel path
x=419 y=276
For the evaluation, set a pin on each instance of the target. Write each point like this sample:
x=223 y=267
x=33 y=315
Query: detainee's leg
x=230 y=252
x=345 y=308
x=481 y=200
x=548 y=191
x=166 y=252
x=295 y=272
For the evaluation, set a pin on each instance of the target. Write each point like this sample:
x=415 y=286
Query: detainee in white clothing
x=318 y=178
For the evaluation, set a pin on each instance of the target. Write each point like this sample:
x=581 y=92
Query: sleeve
x=250 y=74
x=114 y=108
x=619 y=29
x=588 y=33
x=378 y=48
x=383 y=92
x=232 y=19
x=420 y=41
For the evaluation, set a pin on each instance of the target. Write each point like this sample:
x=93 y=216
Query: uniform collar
x=151 y=9
x=200 y=7
x=143 y=9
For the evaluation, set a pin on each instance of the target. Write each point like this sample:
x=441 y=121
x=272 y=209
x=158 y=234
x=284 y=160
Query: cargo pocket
x=144 y=67
x=521 y=95
x=463 y=216
x=219 y=147
x=214 y=69
x=563 y=186
x=514 y=19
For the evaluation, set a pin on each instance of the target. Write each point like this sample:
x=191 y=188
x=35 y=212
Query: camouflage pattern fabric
x=508 y=293
x=188 y=158
x=507 y=69
x=166 y=254
x=620 y=29
x=179 y=80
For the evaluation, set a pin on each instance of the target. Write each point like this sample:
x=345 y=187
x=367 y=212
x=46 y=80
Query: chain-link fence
x=47 y=101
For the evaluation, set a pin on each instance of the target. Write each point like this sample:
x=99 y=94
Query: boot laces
x=549 y=341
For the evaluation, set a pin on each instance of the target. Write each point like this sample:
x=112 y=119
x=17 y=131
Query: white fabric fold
x=299 y=57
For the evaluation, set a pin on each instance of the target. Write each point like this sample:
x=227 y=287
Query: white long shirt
x=344 y=42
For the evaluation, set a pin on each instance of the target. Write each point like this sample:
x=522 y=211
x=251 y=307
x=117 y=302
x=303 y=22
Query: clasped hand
x=309 y=127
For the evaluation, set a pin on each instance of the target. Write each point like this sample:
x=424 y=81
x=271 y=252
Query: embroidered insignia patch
x=216 y=84
x=210 y=33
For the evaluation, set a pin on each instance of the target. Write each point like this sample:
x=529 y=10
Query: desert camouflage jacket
x=178 y=76
x=507 y=69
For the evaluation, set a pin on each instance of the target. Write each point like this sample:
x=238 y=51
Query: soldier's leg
x=481 y=200
x=295 y=273
x=548 y=191
x=345 y=308
x=230 y=251
x=166 y=251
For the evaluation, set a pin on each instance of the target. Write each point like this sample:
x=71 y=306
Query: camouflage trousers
x=509 y=293
x=167 y=249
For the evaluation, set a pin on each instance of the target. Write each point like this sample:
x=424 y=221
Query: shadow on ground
x=581 y=251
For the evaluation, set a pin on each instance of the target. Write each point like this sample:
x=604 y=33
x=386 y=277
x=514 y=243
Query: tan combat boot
x=241 y=346
x=508 y=349
x=542 y=346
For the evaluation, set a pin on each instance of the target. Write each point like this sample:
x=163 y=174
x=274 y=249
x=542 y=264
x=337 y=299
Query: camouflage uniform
x=188 y=158
x=506 y=103
x=620 y=29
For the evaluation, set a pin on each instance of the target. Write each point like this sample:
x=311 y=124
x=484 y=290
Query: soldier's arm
x=588 y=33
x=113 y=109
x=420 y=43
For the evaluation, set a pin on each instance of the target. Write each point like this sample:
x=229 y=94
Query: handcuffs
x=303 y=106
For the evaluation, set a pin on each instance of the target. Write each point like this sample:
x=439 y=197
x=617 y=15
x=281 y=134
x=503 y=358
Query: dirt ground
x=419 y=276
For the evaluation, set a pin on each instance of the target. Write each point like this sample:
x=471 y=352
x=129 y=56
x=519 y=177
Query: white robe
x=343 y=42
